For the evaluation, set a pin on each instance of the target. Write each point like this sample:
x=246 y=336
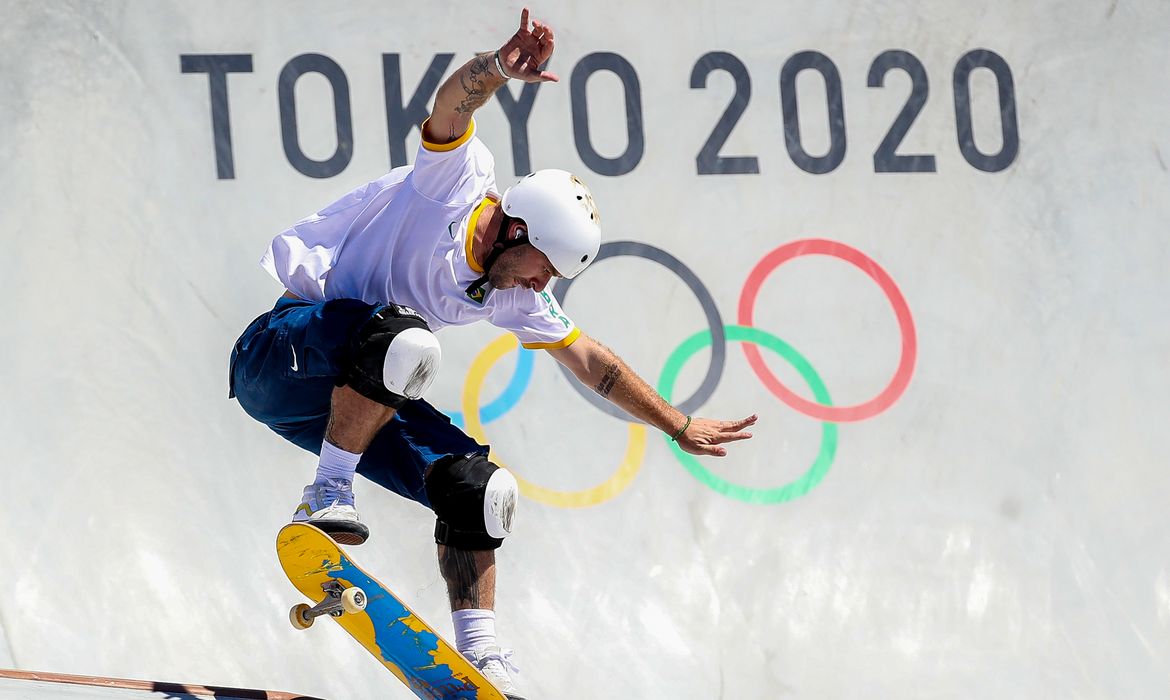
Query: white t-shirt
x=406 y=238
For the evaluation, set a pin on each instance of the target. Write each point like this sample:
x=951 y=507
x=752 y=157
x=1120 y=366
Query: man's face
x=522 y=266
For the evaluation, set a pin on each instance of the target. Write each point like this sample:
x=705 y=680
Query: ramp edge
x=199 y=691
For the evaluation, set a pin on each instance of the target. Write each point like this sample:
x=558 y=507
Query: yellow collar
x=471 y=224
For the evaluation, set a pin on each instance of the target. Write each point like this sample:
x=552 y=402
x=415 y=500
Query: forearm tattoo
x=612 y=374
x=475 y=83
x=458 y=569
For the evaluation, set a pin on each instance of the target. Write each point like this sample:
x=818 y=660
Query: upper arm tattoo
x=475 y=84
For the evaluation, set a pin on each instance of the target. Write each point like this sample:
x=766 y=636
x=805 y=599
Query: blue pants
x=284 y=369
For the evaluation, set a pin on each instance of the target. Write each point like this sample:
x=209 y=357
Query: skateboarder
x=341 y=362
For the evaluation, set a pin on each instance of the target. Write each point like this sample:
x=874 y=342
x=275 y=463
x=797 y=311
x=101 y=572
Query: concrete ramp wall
x=926 y=242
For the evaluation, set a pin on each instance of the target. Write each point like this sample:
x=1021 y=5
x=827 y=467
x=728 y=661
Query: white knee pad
x=500 y=497
x=394 y=357
x=412 y=360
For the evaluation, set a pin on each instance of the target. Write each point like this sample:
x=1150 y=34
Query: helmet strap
x=499 y=246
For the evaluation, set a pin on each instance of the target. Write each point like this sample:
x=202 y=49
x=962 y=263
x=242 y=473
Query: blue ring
x=509 y=397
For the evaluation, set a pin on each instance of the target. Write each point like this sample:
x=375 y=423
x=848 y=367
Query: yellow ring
x=626 y=471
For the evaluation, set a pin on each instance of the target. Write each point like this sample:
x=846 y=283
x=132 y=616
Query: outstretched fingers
x=723 y=437
x=547 y=45
x=727 y=435
x=734 y=430
x=543 y=34
x=531 y=48
x=710 y=451
x=706 y=437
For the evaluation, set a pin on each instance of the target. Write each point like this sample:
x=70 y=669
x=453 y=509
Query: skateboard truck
x=338 y=601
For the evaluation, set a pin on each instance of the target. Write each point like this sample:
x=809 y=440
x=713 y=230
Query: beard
x=504 y=271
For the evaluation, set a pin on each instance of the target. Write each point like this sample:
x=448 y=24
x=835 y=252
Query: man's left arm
x=602 y=370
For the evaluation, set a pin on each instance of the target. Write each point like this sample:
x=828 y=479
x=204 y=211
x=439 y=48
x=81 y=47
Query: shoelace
x=333 y=490
x=504 y=656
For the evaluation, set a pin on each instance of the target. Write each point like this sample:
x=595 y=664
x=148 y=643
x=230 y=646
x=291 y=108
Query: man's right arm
x=470 y=87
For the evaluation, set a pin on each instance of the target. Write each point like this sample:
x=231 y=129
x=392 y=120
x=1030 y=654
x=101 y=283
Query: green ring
x=746 y=334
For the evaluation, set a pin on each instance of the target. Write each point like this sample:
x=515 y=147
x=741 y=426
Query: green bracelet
x=676 y=436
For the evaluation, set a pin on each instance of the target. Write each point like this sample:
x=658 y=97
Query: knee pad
x=474 y=501
x=394 y=357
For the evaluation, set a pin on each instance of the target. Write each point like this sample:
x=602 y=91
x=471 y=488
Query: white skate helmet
x=561 y=217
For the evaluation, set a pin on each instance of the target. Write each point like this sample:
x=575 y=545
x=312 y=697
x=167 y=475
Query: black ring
x=615 y=249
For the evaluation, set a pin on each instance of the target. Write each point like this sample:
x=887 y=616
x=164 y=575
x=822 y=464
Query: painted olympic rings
x=716 y=336
x=794 y=489
x=508 y=397
x=837 y=414
x=630 y=465
x=706 y=301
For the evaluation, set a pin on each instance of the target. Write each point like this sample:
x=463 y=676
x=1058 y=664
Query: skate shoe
x=496 y=664
x=329 y=507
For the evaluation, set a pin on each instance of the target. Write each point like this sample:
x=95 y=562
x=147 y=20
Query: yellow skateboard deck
x=387 y=628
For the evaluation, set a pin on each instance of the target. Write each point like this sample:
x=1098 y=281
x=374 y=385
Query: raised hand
x=527 y=50
x=704 y=436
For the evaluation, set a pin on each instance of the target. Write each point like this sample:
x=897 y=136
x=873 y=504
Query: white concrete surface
x=34 y=690
x=26 y=690
x=6 y=660
x=1000 y=531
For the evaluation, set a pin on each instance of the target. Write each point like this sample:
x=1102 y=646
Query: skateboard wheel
x=353 y=600
x=299 y=618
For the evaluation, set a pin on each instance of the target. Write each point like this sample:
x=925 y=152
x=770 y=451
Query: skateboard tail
x=404 y=642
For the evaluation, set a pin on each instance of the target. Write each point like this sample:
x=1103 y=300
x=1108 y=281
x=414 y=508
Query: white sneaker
x=330 y=507
x=495 y=664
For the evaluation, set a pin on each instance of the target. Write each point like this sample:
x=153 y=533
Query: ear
x=518 y=230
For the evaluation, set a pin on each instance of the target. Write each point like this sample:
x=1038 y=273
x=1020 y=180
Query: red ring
x=833 y=414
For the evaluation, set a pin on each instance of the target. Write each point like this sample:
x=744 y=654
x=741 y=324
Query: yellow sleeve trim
x=443 y=147
x=566 y=342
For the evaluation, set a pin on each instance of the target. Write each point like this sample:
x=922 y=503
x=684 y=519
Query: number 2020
x=886 y=158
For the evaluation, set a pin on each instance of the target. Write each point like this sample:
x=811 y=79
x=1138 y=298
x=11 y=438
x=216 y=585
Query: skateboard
x=375 y=617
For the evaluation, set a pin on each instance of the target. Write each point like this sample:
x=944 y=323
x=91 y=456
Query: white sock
x=336 y=463
x=474 y=629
